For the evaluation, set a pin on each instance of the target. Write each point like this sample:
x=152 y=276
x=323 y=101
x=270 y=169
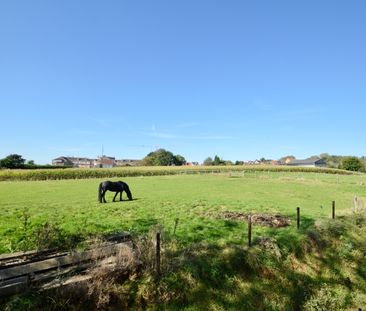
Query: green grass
x=207 y=265
x=72 y=204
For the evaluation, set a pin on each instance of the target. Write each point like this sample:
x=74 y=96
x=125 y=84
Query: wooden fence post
x=176 y=221
x=333 y=209
x=250 y=230
x=157 y=254
x=298 y=217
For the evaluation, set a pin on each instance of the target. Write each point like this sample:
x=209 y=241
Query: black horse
x=117 y=187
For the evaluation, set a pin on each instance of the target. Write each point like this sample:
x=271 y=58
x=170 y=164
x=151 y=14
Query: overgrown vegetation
x=321 y=267
x=82 y=173
x=352 y=164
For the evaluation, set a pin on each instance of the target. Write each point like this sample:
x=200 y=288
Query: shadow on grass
x=236 y=278
x=233 y=277
x=214 y=276
x=119 y=201
x=144 y=224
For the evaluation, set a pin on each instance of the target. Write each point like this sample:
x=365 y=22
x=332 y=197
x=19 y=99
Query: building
x=192 y=164
x=103 y=162
x=73 y=162
x=312 y=162
x=62 y=161
x=127 y=162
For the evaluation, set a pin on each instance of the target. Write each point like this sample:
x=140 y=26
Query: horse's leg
x=103 y=196
x=120 y=196
x=115 y=196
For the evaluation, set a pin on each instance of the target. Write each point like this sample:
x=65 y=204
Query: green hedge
x=79 y=173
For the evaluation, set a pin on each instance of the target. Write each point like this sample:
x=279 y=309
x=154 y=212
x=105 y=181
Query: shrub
x=327 y=298
x=351 y=164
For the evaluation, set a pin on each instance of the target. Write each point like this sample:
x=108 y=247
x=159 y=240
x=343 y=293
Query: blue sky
x=240 y=79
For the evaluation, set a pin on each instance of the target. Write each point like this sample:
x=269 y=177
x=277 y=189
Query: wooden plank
x=24 y=254
x=13 y=289
x=23 y=261
x=12 y=286
x=53 y=263
x=22 y=279
x=36 y=258
x=118 y=237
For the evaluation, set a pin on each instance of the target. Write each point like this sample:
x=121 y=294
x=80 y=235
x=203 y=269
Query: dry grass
x=109 y=272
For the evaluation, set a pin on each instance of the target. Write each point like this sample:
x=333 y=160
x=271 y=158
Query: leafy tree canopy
x=216 y=161
x=208 y=161
x=351 y=164
x=162 y=157
x=12 y=161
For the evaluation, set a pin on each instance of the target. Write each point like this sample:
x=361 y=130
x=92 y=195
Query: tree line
x=16 y=161
x=162 y=157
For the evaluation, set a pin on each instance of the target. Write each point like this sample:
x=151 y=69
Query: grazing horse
x=117 y=187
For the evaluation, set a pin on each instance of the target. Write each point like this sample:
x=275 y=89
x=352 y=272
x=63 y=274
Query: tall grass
x=83 y=173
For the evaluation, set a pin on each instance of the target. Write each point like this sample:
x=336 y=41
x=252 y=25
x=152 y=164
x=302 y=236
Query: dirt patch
x=267 y=220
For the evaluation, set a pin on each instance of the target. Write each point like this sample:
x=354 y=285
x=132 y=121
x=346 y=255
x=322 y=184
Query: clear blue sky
x=240 y=79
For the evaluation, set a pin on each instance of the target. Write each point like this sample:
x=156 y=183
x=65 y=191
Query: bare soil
x=259 y=219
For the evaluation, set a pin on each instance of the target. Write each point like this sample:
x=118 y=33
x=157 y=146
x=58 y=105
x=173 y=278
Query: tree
x=208 y=161
x=162 y=157
x=12 y=161
x=351 y=164
x=218 y=161
x=30 y=164
x=179 y=160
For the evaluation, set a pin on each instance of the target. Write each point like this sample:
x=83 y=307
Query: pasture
x=206 y=263
x=71 y=206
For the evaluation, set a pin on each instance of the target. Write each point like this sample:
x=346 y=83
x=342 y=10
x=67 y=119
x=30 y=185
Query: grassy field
x=72 y=204
x=207 y=264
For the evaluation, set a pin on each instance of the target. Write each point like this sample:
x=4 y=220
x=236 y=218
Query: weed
x=327 y=298
x=47 y=235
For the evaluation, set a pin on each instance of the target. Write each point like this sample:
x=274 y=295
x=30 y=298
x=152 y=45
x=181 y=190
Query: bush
x=327 y=298
x=351 y=164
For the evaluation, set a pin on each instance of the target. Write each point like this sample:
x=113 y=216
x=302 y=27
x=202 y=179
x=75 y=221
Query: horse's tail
x=128 y=192
x=100 y=192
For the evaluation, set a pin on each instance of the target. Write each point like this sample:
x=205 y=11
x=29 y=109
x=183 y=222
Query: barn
x=312 y=162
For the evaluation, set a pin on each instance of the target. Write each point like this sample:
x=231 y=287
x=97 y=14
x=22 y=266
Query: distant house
x=312 y=162
x=192 y=164
x=275 y=162
x=252 y=162
x=103 y=162
x=62 y=161
x=73 y=161
x=127 y=162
